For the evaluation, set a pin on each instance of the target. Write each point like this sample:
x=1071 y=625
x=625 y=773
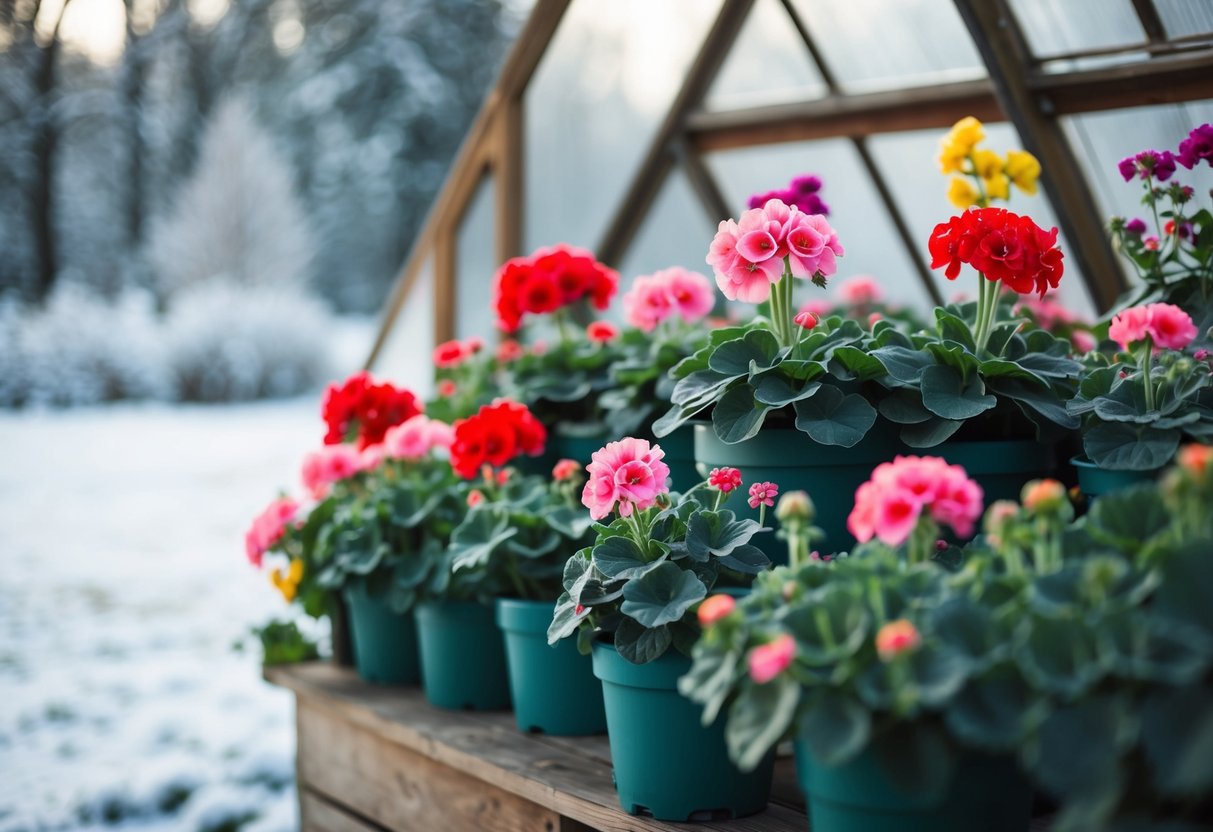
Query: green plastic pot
x=554 y=689
x=987 y=793
x=384 y=641
x=679 y=449
x=1094 y=481
x=667 y=765
x=831 y=474
x=462 y=656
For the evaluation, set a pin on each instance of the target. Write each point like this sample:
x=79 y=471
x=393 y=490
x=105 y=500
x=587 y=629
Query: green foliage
x=564 y=385
x=283 y=643
x=640 y=378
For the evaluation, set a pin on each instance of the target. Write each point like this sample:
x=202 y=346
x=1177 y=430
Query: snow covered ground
x=123 y=586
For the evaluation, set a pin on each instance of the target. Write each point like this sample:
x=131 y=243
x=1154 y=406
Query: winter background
x=202 y=206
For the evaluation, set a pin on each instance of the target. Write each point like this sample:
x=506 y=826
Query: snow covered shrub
x=229 y=343
x=80 y=348
x=237 y=216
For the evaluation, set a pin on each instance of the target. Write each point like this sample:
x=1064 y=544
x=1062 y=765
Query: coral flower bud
x=1195 y=459
x=1043 y=496
x=806 y=319
x=715 y=608
x=795 y=505
x=895 y=638
x=769 y=660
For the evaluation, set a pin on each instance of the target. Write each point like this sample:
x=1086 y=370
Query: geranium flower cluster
x=498 y=433
x=268 y=528
x=804 y=192
x=362 y=410
x=1196 y=147
x=453 y=353
x=899 y=493
x=334 y=463
x=749 y=255
x=959 y=154
x=548 y=280
x=1158 y=165
x=1166 y=326
x=1002 y=245
x=416 y=438
x=674 y=292
x=628 y=473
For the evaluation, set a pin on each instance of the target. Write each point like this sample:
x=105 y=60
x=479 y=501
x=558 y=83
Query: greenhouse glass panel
x=604 y=85
x=1183 y=18
x=676 y=232
x=768 y=64
x=1053 y=28
x=856 y=213
x=918 y=42
x=411 y=335
x=475 y=263
x=907 y=162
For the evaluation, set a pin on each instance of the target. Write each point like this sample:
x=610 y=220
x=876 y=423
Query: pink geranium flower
x=690 y=292
x=601 y=332
x=647 y=303
x=566 y=469
x=817 y=306
x=330 y=464
x=1167 y=325
x=414 y=438
x=724 y=479
x=268 y=528
x=1130 y=326
x=747 y=256
x=769 y=660
x=890 y=504
x=763 y=494
x=860 y=290
x=813 y=246
x=628 y=472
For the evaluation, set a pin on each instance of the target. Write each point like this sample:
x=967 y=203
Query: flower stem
x=987 y=305
x=1147 y=368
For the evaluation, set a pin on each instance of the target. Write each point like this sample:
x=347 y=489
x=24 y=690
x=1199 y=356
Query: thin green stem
x=1147 y=371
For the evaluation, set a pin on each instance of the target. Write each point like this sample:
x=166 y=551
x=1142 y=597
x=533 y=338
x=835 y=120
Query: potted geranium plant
x=1136 y=406
x=560 y=380
x=860 y=659
x=511 y=549
x=665 y=312
x=462 y=657
x=631 y=598
x=465 y=377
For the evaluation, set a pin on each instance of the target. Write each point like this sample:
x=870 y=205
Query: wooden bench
x=374 y=758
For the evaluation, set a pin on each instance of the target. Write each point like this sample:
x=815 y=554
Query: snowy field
x=123 y=586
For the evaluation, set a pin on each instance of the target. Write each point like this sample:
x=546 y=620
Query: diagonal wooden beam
x=660 y=158
x=998 y=40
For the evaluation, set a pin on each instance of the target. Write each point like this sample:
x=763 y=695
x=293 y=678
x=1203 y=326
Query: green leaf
x=952 y=328
x=904 y=406
x=1060 y=656
x=410 y=506
x=1128 y=519
x=994 y=712
x=710 y=679
x=757 y=350
x=662 y=595
x=759 y=718
x=832 y=418
x=830 y=627
x=777 y=390
x=572 y=523
x=717 y=533
x=641 y=645
x=929 y=434
x=565 y=619
x=701 y=388
x=738 y=416
x=1053 y=366
x=861 y=364
x=1033 y=398
x=834 y=726
x=1123 y=446
x=1079 y=746
x=904 y=364
x=949 y=396
x=621 y=558
x=747 y=559
x=1177 y=733
x=917 y=759
x=473 y=542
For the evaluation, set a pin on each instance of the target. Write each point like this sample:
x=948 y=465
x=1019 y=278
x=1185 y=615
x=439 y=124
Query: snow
x=123 y=587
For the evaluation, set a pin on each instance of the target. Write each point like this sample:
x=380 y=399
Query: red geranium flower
x=494 y=436
x=359 y=410
x=1002 y=245
x=548 y=280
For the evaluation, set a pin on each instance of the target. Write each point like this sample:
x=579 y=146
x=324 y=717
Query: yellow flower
x=952 y=157
x=968 y=131
x=987 y=164
x=997 y=187
x=1024 y=170
x=958 y=143
x=288 y=582
x=961 y=193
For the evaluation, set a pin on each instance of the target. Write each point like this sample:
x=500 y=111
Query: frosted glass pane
x=676 y=232
x=1101 y=140
x=405 y=355
x=1053 y=28
x=605 y=83
x=1185 y=17
x=908 y=164
x=863 y=226
x=475 y=263
x=768 y=64
x=916 y=42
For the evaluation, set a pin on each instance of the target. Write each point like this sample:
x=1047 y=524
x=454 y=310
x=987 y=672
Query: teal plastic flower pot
x=985 y=792
x=667 y=765
x=1094 y=481
x=831 y=474
x=794 y=462
x=384 y=641
x=554 y=689
x=679 y=449
x=462 y=656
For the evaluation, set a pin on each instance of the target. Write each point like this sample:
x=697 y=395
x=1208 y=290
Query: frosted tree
x=236 y=218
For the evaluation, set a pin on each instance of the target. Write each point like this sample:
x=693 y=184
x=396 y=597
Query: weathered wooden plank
x=571 y=777
x=317 y=814
x=400 y=789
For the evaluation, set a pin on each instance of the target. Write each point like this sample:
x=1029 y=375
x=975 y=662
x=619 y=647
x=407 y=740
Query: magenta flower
x=1197 y=146
x=268 y=528
x=1149 y=164
x=763 y=493
x=769 y=660
x=724 y=479
x=1136 y=226
x=628 y=472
